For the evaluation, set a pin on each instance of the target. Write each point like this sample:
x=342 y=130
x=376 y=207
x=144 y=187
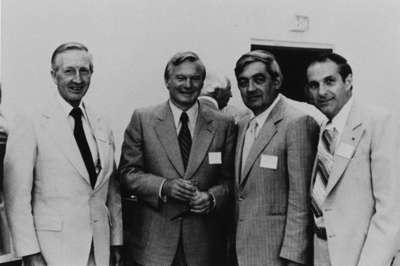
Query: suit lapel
x=166 y=132
x=101 y=138
x=203 y=134
x=352 y=134
x=243 y=125
x=268 y=130
x=62 y=134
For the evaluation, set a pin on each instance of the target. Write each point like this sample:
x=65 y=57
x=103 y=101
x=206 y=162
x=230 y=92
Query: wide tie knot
x=253 y=126
x=329 y=137
x=76 y=113
x=184 y=118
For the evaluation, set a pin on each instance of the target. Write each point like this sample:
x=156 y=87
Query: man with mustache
x=275 y=151
x=61 y=192
x=355 y=182
x=177 y=159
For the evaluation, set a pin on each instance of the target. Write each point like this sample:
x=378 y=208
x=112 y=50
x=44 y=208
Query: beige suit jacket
x=362 y=207
x=272 y=204
x=50 y=203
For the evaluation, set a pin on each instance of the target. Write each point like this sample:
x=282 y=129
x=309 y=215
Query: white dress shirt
x=339 y=121
x=192 y=113
x=67 y=108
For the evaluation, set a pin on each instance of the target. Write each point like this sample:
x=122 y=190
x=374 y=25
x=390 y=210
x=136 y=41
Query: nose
x=188 y=83
x=322 y=90
x=251 y=86
x=77 y=77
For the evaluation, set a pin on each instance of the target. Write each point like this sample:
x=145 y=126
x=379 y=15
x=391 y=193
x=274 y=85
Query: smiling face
x=72 y=74
x=257 y=88
x=184 y=84
x=328 y=91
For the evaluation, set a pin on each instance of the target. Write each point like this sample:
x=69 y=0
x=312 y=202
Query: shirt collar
x=261 y=118
x=339 y=121
x=211 y=99
x=67 y=108
x=191 y=112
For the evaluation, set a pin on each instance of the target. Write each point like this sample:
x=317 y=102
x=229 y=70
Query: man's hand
x=115 y=256
x=34 y=260
x=201 y=202
x=179 y=189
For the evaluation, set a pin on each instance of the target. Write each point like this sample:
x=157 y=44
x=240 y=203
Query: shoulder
x=217 y=116
x=373 y=114
x=294 y=115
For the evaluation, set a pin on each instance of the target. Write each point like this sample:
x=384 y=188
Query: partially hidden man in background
x=355 y=183
x=275 y=151
x=177 y=158
x=61 y=192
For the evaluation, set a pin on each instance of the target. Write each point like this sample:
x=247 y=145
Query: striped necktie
x=185 y=139
x=326 y=150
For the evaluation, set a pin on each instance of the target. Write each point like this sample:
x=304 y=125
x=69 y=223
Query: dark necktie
x=184 y=138
x=83 y=145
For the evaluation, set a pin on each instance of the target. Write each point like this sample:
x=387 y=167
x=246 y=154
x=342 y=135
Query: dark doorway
x=293 y=62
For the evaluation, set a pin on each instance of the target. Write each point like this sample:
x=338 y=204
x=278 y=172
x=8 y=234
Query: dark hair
x=66 y=47
x=263 y=56
x=181 y=57
x=343 y=66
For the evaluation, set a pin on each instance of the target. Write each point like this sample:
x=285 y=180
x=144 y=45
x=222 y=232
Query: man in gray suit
x=274 y=156
x=177 y=158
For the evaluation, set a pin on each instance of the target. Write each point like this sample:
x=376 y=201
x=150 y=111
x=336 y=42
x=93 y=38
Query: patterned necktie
x=184 y=138
x=251 y=135
x=83 y=145
x=326 y=150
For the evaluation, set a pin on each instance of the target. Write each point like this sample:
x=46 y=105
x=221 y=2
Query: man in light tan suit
x=274 y=156
x=177 y=159
x=61 y=192
x=355 y=183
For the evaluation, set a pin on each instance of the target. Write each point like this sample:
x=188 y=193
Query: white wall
x=132 y=40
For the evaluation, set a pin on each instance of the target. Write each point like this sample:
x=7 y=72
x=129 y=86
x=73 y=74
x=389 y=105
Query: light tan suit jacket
x=362 y=207
x=50 y=203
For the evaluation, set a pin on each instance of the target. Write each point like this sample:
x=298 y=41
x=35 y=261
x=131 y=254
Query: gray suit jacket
x=150 y=153
x=362 y=207
x=272 y=203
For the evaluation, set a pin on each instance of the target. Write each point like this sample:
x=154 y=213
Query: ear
x=277 y=83
x=348 y=81
x=53 y=75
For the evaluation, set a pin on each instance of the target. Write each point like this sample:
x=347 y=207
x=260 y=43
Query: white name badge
x=345 y=150
x=269 y=161
x=214 y=158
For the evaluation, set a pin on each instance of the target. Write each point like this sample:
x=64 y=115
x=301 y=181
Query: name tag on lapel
x=214 y=158
x=345 y=150
x=269 y=161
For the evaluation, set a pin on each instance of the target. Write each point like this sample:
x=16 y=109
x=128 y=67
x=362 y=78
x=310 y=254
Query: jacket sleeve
x=131 y=167
x=114 y=205
x=301 y=139
x=223 y=190
x=382 y=239
x=19 y=171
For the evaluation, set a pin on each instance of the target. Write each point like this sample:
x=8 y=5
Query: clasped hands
x=186 y=191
